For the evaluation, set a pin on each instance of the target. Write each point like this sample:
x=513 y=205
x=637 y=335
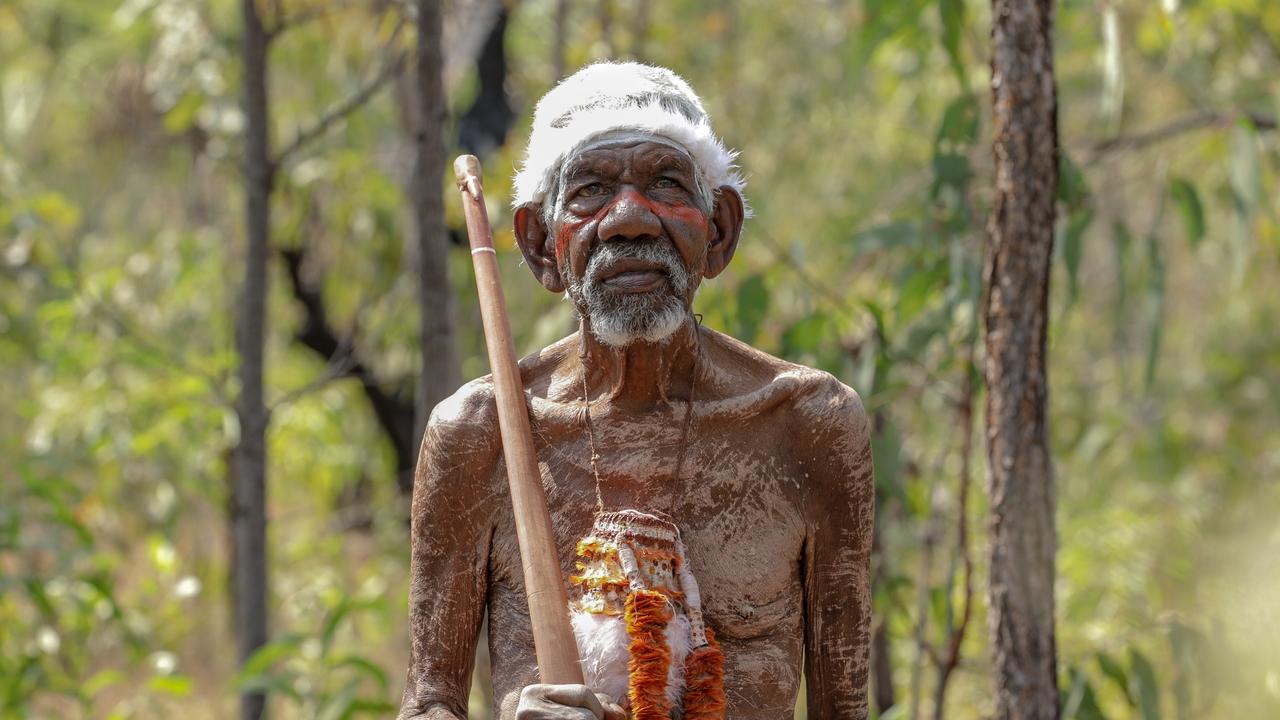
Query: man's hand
x=565 y=702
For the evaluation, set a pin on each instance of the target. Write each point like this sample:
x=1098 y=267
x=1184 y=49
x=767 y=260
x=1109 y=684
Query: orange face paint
x=673 y=217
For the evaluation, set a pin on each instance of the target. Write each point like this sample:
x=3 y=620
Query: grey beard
x=619 y=319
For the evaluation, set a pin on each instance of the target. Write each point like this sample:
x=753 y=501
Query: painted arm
x=840 y=508
x=452 y=514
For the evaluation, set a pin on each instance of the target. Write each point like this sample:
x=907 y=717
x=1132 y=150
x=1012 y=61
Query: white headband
x=605 y=98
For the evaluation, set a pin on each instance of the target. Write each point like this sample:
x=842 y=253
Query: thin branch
x=833 y=298
x=1181 y=126
x=559 y=39
x=334 y=115
x=340 y=366
x=291 y=21
x=956 y=634
x=923 y=647
x=393 y=413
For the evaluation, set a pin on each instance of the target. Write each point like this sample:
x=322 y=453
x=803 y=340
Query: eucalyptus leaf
x=1155 y=309
x=952 y=14
x=1187 y=200
x=1072 y=246
x=1115 y=672
x=1144 y=685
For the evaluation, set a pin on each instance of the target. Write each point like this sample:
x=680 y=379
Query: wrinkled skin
x=774 y=500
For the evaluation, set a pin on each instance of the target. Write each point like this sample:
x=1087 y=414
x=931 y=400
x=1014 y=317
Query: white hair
x=609 y=97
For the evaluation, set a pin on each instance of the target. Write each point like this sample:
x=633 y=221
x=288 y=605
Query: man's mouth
x=633 y=276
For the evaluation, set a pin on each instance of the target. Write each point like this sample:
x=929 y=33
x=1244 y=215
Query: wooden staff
x=548 y=606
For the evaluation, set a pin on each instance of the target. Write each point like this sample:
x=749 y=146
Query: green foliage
x=1186 y=198
x=305 y=670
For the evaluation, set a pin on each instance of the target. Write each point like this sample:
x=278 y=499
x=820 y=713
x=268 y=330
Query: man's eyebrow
x=579 y=169
x=671 y=160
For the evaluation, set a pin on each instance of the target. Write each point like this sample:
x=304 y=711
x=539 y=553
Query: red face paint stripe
x=683 y=214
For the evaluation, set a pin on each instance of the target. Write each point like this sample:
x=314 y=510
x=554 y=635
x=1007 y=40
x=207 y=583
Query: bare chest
x=736 y=496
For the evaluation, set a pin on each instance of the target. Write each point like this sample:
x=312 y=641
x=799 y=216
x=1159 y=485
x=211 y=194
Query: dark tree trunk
x=440 y=372
x=881 y=658
x=559 y=40
x=1020 y=474
x=640 y=28
x=393 y=412
x=605 y=13
x=249 y=472
x=483 y=128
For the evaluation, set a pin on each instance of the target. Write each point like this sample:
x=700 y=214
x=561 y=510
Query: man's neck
x=641 y=376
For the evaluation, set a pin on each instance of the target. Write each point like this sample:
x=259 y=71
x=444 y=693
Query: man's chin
x=624 y=329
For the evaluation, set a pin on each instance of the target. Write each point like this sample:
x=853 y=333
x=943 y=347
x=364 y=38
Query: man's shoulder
x=467 y=418
x=471 y=413
x=812 y=395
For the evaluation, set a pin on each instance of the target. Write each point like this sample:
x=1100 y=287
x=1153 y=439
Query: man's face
x=631 y=239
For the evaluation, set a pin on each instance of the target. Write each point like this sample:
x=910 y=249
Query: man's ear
x=725 y=229
x=538 y=248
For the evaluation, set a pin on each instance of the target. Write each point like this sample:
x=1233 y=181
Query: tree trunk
x=881 y=658
x=559 y=40
x=440 y=372
x=641 y=31
x=605 y=13
x=249 y=474
x=1020 y=474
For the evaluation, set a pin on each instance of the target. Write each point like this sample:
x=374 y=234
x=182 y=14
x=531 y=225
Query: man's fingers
x=558 y=702
x=575 y=696
x=611 y=711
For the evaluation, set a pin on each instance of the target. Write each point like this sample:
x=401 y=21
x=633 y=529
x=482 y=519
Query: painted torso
x=739 y=506
x=774 y=503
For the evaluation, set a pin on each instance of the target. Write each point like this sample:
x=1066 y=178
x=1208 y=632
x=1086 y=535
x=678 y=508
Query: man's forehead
x=612 y=157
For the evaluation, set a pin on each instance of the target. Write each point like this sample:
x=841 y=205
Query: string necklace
x=684 y=431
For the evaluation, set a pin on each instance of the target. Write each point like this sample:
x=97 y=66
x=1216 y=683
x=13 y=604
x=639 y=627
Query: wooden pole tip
x=465 y=168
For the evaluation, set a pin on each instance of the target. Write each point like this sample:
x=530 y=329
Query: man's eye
x=665 y=182
x=592 y=190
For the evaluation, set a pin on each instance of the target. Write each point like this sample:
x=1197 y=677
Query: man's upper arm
x=833 y=440
x=451 y=531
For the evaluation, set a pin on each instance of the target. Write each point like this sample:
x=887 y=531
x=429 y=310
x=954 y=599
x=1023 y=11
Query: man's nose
x=630 y=216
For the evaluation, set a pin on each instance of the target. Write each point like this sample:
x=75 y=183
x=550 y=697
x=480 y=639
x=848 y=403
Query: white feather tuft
x=605 y=649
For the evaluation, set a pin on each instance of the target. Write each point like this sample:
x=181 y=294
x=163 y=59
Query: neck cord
x=684 y=431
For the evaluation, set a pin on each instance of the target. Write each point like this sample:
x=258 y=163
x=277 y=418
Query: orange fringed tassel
x=647 y=616
x=704 y=682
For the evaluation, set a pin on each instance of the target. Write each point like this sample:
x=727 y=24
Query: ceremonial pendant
x=637 y=617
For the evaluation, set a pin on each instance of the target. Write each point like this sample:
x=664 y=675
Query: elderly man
x=668 y=452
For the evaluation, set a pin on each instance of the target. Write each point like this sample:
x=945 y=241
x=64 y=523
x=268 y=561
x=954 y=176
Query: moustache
x=662 y=254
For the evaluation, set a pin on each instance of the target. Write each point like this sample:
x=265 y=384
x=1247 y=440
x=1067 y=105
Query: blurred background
x=865 y=135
